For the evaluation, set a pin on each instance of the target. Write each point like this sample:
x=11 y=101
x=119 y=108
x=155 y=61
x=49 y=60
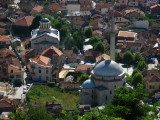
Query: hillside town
x=79 y=59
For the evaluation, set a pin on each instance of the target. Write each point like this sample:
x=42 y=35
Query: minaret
x=112 y=40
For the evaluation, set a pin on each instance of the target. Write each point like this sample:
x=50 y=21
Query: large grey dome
x=108 y=68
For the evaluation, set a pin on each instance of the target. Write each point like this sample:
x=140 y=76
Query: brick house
x=155 y=9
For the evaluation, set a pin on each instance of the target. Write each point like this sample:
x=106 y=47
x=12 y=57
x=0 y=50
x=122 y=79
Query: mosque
x=105 y=77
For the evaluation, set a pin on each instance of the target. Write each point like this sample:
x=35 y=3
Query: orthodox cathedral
x=44 y=36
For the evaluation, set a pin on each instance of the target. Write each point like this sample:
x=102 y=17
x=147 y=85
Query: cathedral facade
x=44 y=36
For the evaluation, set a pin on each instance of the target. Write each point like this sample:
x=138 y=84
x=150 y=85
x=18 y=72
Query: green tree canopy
x=35 y=22
x=46 y=4
x=126 y=103
x=138 y=57
x=68 y=42
x=142 y=65
x=83 y=77
x=78 y=39
x=99 y=47
x=127 y=57
x=137 y=78
x=88 y=32
x=94 y=40
x=117 y=56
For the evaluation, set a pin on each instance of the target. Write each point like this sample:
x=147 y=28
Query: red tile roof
x=4 y=53
x=4 y=38
x=51 y=52
x=38 y=8
x=14 y=69
x=42 y=60
x=56 y=7
x=25 y=21
x=28 y=40
x=82 y=67
x=103 y=5
x=26 y=52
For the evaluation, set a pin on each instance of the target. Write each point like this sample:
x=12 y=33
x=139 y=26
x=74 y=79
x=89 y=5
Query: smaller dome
x=88 y=84
x=45 y=20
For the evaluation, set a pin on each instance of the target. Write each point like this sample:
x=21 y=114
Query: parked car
x=29 y=85
x=24 y=91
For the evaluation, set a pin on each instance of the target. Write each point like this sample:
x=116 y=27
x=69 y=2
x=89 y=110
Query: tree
x=46 y=4
x=126 y=103
x=99 y=47
x=94 y=40
x=88 y=32
x=75 y=49
x=68 y=42
x=138 y=57
x=127 y=57
x=78 y=39
x=137 y=78
x=117 y=56
x=134 y=72
x=83 y=77
x=35 y=22
x=142 y=65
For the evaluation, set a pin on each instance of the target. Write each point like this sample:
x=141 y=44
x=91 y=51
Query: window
x=39 y=71
x=47 y=78
x=11 y=71
x=40 y=77
x=106 y=97
x=12 y=76
x=46 y=71
x=110 y=92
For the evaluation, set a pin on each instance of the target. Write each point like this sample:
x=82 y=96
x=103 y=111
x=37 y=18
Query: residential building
x=125 y=35
x=37 y=10
x=141 y=24
x=134 y=14
x=27 y=54
x=5 y=41
x=41 y=68
x=44 y=36
x=21 y=27
x=104 y=8
x=151 y=80
x=78 y=25
x=155 y=9
x=133 y=3
x=83 y=68
x=15 y=73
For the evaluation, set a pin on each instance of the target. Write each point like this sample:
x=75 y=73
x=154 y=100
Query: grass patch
x=44 y=93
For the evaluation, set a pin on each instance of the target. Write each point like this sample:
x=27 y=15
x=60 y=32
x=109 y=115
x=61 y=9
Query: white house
x=44 y=36
x=40 y=68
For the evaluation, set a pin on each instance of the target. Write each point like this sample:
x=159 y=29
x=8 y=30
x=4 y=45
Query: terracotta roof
x=2 y=24
x=103 y=5
x=150 y=72
x=4 y=38
x=4 y=52
x=69 y=54
x=96 y=15
x=42 y=60
x=56 y=7
x=14 y=69
x=126 y=34
x=82 y=67
x=38 y=8
x=95 y=22
x=134 y=10
x=70 y=86
x=51 y=52
x=25 y=21
x=92 y=53
x=79 y=22
x=153 y=78
x=4 y=104
x=116 y=13
x=95 y=32
x=102 y=57
x=156 y=5
x=28 y=40
x=121 y=19
x=25 y=52
x=134 y=44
